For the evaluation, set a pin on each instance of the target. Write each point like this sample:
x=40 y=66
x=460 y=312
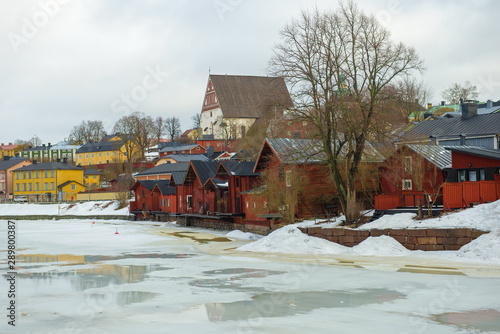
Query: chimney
x=429 y=105
x=442 y=103
x=65 y=160
x=489 y=104
x=5 y=158
x=462 y=140
x=433 y=140
x=469 y=110
x=10 y=143
x=48 y=145
x=58 y=160
x=35 y=162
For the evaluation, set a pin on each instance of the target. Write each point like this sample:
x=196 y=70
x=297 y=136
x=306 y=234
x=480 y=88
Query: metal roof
x=49 y=166
x=179 y=148
x=477 y=151
x=164 y=187
x=205 y=170
x=240 y=168
x=300 y=151
x=186 y=157
x=178 y=177
x=101 y=146
x=6 y=164
x=435 y=154
x=454 y=127
x=166 y=169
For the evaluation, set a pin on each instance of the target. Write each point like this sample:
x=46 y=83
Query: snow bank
x=380 y=246
x=240 y=235
x=289 y=239
x=77 y=209
x=485 y=217
x=485 y=248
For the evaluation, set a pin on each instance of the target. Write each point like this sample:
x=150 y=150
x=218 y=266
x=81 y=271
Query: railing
x=464 y=194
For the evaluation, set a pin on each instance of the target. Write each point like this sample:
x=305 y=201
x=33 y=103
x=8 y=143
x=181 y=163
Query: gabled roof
x=101 y=146
x=165 y=169
x=185 y=147
x=178 y=177
x=307 y=151
x=148 y=184
x=237 y=168
x=8 y=146
x=90 y=171
x=49 y=166
x=454 y=127
x=62 y=185
x=186 y=157
x=164 y=187
x=250 y=96
x=203 y=170
x=6 y=164
x=477 y=151
x=217 y=183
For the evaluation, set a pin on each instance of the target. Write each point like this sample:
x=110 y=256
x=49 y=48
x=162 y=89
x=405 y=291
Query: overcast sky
x=64 y=61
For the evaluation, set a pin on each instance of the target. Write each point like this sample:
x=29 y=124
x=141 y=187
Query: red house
x=475 y=177
x=192 y=196
x=183 y=149
x=413 y=172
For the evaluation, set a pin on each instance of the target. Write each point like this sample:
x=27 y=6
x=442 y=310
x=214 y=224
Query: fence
x=461 y=195
x=405 y=199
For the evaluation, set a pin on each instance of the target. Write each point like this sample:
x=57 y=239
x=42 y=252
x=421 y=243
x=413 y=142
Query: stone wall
x=413 y=239
x=221 y=225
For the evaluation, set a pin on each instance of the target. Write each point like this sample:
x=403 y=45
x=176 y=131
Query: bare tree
x=173 y=127
x=338 y=65
x=455 y=92
x=159 y=127
x=87 y=132
x=411 y=95
x=136 y=130
x=196 y=121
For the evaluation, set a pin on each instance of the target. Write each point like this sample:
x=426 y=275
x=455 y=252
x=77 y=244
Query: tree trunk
x=351 y=212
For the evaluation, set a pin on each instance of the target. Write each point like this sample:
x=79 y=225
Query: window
x=472 y=175
x=17 y=186
x=189 y=200
x=115 y=154
x=408 y=164
x=247 y=204
x=52 y=173
x=107 y=161
x=79 y=156
x=52 y=186
x=461 y=175
x=407 y=185
x=107 y=154
x=197 y=148
x=99 y=154
x=89 y=163
x=17 y=175
x=86 y=155
x=29 y=187
x=24 y=175
x=288 y=178
x=37 y=186
x=29 y=175
x=95 y=177
x=24 y=186
x=237 y=182
x=73 y=187
x=46 y=186
x=482 y=176
x=36 y=175
x=99 y=162
x=46 y=173
x=91 y=155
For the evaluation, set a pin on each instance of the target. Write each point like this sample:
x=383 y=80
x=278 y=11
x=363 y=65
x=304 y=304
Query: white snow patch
x=380 y=246
x=76 y=209
x=289 y=239
x=240 y=235
x=484 y=248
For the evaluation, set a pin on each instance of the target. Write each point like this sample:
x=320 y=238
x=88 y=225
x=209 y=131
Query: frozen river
x=79 y=277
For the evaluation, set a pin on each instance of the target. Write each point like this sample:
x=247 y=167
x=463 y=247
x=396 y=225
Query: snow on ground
x=240 y=235
x=485 y=217
x=77 y=209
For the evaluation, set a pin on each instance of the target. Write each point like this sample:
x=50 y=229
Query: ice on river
x=80 y=277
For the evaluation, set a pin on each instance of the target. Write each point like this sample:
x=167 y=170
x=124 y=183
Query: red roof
x=8 y=147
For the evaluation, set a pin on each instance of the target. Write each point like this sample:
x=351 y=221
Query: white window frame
x=407 y=184
x=408 y=164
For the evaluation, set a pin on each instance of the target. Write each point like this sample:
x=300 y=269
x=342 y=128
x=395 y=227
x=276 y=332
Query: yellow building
x=48 y=182
x=9 y=150
x=92 y=179
x=113 y=151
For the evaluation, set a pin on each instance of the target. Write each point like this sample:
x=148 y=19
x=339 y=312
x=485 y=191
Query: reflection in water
x=482 y=320
x=292 y=303
x=194 y=237
x=233 y=282
x=125 y=297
